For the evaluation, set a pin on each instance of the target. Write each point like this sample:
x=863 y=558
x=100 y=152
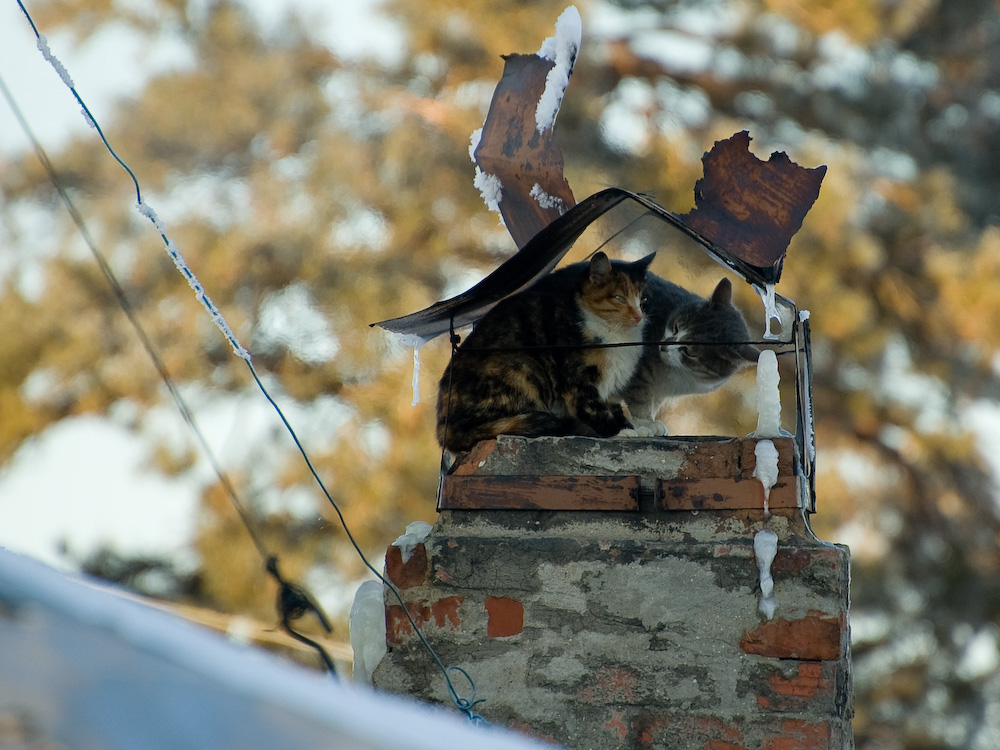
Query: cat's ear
x=748 y=353
x=643 y=263
x=600 y=266
x=723 y=294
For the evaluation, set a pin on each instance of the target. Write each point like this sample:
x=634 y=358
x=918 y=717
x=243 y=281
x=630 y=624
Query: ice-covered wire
x=144 y=208
x=285 y=611
x=465 y=705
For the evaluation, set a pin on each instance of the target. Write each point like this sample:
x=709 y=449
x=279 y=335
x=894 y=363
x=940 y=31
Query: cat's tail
x=457 y=438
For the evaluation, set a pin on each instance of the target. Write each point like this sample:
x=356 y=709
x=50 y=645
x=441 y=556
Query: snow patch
x=561 y=49
x=416 y=533
x=544 y=199
x=490 y=187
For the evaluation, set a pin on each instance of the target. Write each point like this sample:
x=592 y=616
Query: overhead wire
x=122 y=298
x=293 y=600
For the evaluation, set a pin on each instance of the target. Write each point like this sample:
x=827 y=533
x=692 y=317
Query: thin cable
x=44 y=48
x=287 y=597
x=464 y=704
x=129 y=311
x=602 y=345
x=289 y=607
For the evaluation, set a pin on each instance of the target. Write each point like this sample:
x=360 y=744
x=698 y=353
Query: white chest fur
x=616 y=364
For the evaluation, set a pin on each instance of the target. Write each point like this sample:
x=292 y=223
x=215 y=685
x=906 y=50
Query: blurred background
x=311 y=163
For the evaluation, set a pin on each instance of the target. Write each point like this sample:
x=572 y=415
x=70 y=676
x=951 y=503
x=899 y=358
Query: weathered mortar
x=632 y=628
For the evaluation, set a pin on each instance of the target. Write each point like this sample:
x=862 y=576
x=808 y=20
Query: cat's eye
x=620 y=298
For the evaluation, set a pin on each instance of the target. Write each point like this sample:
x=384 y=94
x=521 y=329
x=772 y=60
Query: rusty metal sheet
x=512 y=149
x=750 y=209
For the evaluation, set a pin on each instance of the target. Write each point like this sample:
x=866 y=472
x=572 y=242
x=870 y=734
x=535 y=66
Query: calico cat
x=667 y=371
x=522 y=370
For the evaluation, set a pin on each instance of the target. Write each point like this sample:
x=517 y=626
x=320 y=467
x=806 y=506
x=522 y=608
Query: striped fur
x=523 y=371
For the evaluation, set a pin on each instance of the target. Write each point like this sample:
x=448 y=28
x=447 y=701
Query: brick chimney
x=604 y=594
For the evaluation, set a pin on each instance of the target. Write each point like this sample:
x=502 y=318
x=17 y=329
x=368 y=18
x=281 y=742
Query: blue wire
x=465 y=705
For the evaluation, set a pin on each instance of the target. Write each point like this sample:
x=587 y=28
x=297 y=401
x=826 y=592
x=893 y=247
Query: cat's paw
x=650 y=427
x=641 y=429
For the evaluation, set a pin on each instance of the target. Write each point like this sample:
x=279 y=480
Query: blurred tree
x=313 y=196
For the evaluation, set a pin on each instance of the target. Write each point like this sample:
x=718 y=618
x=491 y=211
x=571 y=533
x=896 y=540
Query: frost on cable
x=192 y=280
x=43 y=47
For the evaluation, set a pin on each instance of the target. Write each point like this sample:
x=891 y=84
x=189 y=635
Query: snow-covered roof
x=83 y=667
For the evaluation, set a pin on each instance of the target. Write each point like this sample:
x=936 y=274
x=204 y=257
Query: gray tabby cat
x=666 y=371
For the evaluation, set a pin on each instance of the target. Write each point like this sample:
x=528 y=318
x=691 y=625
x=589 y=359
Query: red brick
x=469 y=464
x=795 y=693
x=441 y=612
x=706 y=732
x=409 y=574
x=505 y=617
x=808 y=683
x=797 y=734
x=816 y=636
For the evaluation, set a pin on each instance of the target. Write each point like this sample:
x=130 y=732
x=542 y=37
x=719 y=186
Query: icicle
x=409 y=339
x=768 y=396
x=416 y=533
x=765 y=547
x=766 y=469
x=770 y=311
x=807 y=402
x=367 y=625
x=415 y=380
